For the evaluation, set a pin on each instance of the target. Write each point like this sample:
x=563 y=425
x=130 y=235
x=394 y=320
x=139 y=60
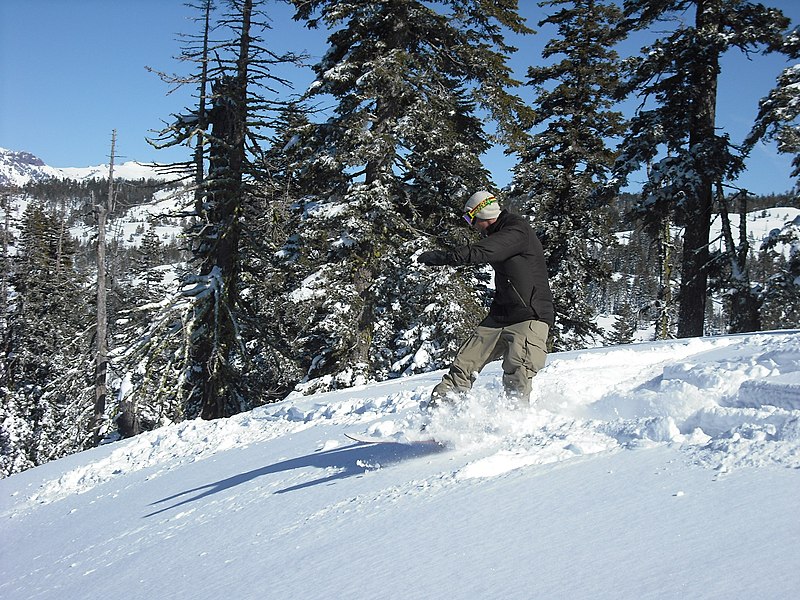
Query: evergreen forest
x=283 y=257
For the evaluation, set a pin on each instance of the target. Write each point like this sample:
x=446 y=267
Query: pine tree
x=568 y=159
x=779 y=113
x=46 y=407
x=399 y=156
x=781 y=294
x=624 y=326
x=148 y=256
x=217 y=326
x=679 y=74
x=743 y=301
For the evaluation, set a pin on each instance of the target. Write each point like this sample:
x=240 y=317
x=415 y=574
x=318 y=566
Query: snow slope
x=132 y=225
x=657 y=470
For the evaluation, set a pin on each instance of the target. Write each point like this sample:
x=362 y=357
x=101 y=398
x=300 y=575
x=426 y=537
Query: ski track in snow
x=727 y=402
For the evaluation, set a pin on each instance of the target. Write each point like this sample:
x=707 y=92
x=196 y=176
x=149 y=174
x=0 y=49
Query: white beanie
x=490 y=211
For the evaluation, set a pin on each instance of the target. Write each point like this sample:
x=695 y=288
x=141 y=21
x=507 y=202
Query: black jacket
x=522 y=290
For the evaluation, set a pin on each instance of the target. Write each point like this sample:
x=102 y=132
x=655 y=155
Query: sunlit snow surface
x=657 y=470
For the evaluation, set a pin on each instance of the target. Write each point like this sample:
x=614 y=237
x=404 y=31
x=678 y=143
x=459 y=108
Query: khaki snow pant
x=522 y=347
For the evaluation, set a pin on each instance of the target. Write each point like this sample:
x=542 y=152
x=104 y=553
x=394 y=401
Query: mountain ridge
x=19 y=168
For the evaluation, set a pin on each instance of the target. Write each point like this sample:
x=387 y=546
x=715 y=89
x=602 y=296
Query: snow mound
x=782 y=391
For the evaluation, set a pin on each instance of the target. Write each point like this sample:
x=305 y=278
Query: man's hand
x=434 y=258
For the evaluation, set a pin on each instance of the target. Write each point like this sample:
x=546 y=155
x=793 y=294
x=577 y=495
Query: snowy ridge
x=20 y=168
x=760 y=225
x=127 y=170
x=642 y=461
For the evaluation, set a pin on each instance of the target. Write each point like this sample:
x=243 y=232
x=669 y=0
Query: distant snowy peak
x=126 y=170
x=18 y=168
x=21 y=168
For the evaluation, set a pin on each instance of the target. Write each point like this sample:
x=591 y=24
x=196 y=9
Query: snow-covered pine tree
x=779 y=113
x=568 y=158
x=642 y=282
x=217 y=329
x=781 y=294
x=270 y=223
x=47 y=403
x=150 y=352
x=401 y=152
x=16 y=432
x=140 y=295
x=676 y=130
x=779 y=120
x=624 y=326
x=147 y=256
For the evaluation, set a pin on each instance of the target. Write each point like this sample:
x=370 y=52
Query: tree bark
x=744 y=307
x=101 y=342
x=199 y=149
x=698 y=212
x=213 y=387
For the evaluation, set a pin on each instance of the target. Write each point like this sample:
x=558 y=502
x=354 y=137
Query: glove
x=434 y=258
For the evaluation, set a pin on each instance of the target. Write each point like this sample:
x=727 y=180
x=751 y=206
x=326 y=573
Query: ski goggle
x=470 y=215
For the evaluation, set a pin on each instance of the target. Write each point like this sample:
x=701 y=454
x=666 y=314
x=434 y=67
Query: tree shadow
x=355 y=459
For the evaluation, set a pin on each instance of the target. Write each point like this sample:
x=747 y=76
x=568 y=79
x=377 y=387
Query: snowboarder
x=521 y=313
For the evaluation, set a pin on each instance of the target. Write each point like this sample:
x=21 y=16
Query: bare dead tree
x=101 y=341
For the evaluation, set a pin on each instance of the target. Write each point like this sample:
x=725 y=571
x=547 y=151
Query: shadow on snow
x=355 y=459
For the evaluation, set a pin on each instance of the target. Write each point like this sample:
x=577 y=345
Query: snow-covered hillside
x=126 y=170
x=658 y=470
x=18 y=168
x=132 y=225
x=760 y=223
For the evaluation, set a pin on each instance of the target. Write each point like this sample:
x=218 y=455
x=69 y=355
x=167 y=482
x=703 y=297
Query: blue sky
x=73 y=70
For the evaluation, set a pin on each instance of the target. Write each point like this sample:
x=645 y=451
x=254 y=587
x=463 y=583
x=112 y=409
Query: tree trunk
x=211 y=386
x=101 y=354
x=744 y=307
x=698 y=212
x=199 y=149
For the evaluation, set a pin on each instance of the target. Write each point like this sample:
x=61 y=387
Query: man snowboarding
x=521 y=313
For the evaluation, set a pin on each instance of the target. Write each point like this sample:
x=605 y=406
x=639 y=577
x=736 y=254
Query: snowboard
x=362 y=438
